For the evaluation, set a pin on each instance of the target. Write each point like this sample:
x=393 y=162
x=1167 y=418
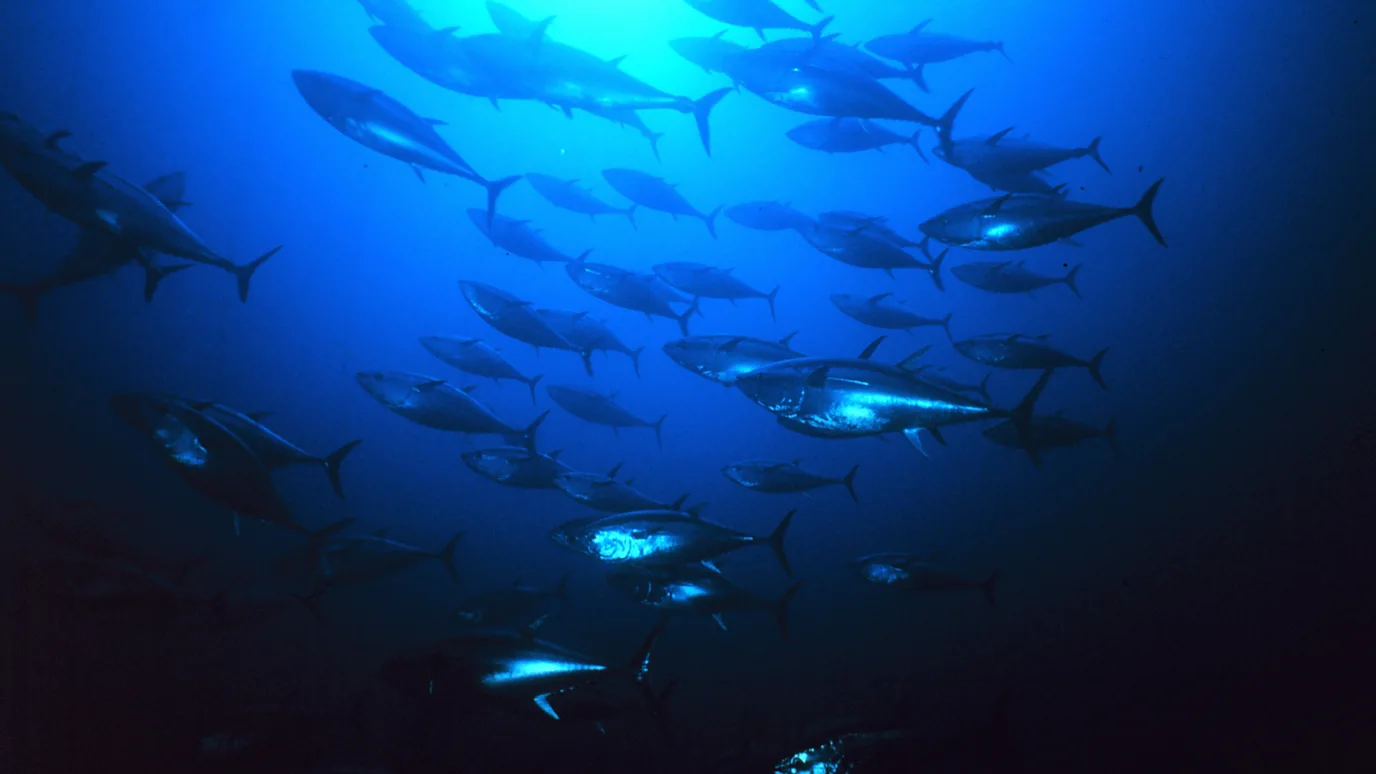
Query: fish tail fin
x=776 y=541
x=639 y=667
x=711 y=221
x=494 y=190
x=917 y=146
x=635 y=359
x=984 y=388
x=154 y=275
x=1111 y=434
x=935 y=271
x=915 y=74
x=820 y=27
x=659 y=428
x=781 y=609
x=587 y=359
x=946 y=326
x=1094 y=364
x=988 y=587
x=1093 y=151
x=702 y=111
x=630 y=215
x=561 y=589
x=245 y=273
x=771 y=297
x=999 y=48
x=26 y=295
x=446 y=555
x=947 y=123
x=1021 y=416
x=654 y=138
x=1143 y=210
x=849 y=482
x=1070 y=280
x=531 y=382
x=528 y=435
x=694 y=307
x=332 y=463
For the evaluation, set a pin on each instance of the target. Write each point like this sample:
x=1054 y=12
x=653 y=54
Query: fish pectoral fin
x=430 y=385
x=818 y=378
x=711 y=565
x=542 y=701
x=914 y=436
x=717 y=617
x=88 y=170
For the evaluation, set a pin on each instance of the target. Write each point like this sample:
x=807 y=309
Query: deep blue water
x=1194 y=600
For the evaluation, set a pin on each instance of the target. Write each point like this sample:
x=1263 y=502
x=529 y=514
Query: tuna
x=909 y=572
x=395 y=13
x=606 y=494
x=1009 y=277
x=663 y=539
x=475 y=357
x=857 y=247
x=723 y=359
x=517 y=467
x=768 y=216
x=703 y=281
x=918 y=48
x=518 y=319
x=1052 y=432
x=757 y=15
x=1015 y=351
x=697 y=591
x=713 y=55
x=589 y=334
x=643 y=293
x=516 y=237
x=568 y=195
x=880 y=311
x=785 y=477
x=361 y=559
x=516 y=604
x=601 y=409
x=436 y=404
x=274 y=450
x=851 y=135
x=653 y=193
x=834 y=93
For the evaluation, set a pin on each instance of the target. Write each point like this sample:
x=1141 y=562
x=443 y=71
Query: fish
x=816 y=91
x=518 y=319
x=768 y=216
x=713 y=55
x=785 y=477
x=439 y=57
x=933 y=376
x=829 y=54
x=88 y=194
x=606 y=494
x=517 y=466
x=380 y=123
x=436 y=404
x=568 y=195
x=867 y=749
x=851 y=135
x=207 y=455
x=395 y=13
x=644 y=293
x=698 y=591
x=858 y=397
x=875 y=226
x=855 y=246
x=337 y=561
x=1022 y=221
x=274 y=450
x=601 y=409
x=1054 y=431
x=910 y=572
x=701 y=280
x=879 y=311
x=473 y=356
x=1009 y=277
x=589 y=334
x=515 y=604
x=999 y=153
x=1015 y=351
x=653 y=193
x=511 y=667
x=723 y=359
x=917 y=47
x=663 y=539
x=516 y=237
x=758 y=15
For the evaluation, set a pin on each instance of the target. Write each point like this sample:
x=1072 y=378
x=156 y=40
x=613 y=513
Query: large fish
x=918 y=573
x=697 y=591
x=475 y=357
x=858 y=397
x=568 y=195
x=601 y=409
x=851 y=135
x=643 y=293
x=723 y=359
x=856 y=246
x=768 y=216
x=382 y=124
x=364 y=558
x=1054 y=431
x=1000 y=158
x=589 y=334
x=517 y=467
x=785 y=477
x=757 y=15
x=1018 y=352
x=702 y=281
x=274 y=450
x=89 y=195
x=516 y=237
x=1020 y=221
x=880 y=311
x=1009 y=277
x=653 y=193
x=663 y=539
x=439 y=405
x=518 y=319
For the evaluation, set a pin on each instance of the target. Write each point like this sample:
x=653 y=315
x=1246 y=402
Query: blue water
x=1189 y=600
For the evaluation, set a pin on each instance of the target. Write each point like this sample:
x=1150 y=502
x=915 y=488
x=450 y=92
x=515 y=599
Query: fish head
x=579 y=485
x=479 y=218
x=572 y=535
x=486 y=300
x=951 y=228
x=327 y=94
x=15 y=134
x=496 y=464
x=385 y=388
x=776 y=389
x=711 y=54
x=736 y=473
x=446 y=346
x=881 y=570
x=686 y=352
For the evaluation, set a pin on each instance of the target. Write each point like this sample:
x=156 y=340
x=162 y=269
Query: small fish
x=475 y=357
x=1053 y=431
x=910 y=572
x=785 y=477
x=1015 y=351
x=723 y=359
x=1009 y=277
x=567 y=195
x=601 y=409
x=880 y=312
x=653 y=193
x=701 y=280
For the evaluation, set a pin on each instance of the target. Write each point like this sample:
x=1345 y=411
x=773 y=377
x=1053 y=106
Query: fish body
x=873 y=226
x=368 y=558
x=1026 y=353
x=643 y=293
x=600 y=409
x=696 y=590
x=910 y=572
x=568 y=195
x=768 y=216
x=723 y=359
x=849 y=135
x=918 y=47
x=589 y=334
x=1022 y=221
x=854 y=246
x=653 y=193
x=516 y=237
x=757 y=15
x=701 y=280
x=1052 y=432
x=832 y=93
x=434 y=403
x=881 y=311
x=274 y=450
x=475 y=357
x=774 y=477
x=661 y=538
x=516 y=467
x=517 y=319
x=1009 y=277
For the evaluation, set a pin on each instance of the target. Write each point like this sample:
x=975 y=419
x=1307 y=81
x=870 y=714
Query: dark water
x=1198 y=600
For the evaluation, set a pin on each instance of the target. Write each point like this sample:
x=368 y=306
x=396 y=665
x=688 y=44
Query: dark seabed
x=640 y=487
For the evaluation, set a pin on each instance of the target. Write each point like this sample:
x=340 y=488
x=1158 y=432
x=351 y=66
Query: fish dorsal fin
x=555 y=454
x=89 y=169
x=997 y=204
x=919 y=27
x=818 y=378
x=578 y=316
x=51 y=141
x=1020 y=264
x=615 y=469
x=537 y=36
x=612 y=395
x=994 y=138
x=469 y=388
x=630 y=481
x=719 y=35
x=528 y=631
x=785 y=340
x=878 y=298
x=677 y=505
x=903 y=364
x=870 y=350
x=430 y=385
x=258 y=416
x=730 y=346
x=436 y=122
x=617 y=61
x=446 y=31
x=382 y=533
x=711 y=565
